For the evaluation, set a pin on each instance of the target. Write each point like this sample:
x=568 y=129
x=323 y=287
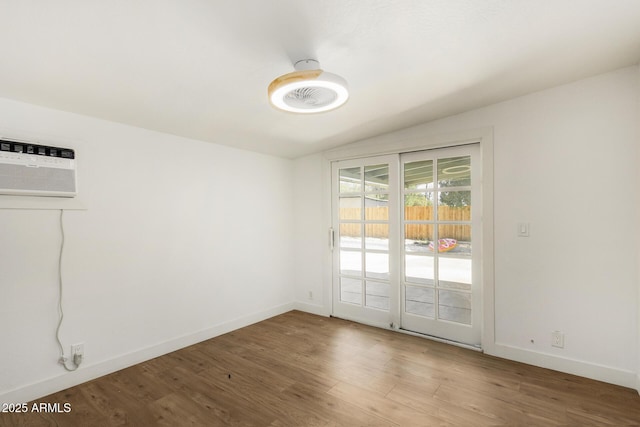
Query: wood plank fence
x=412 y=213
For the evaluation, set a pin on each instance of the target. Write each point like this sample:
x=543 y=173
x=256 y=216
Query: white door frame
x=416 y=139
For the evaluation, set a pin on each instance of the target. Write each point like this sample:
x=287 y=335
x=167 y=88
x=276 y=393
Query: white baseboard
x=311 y=308
x=89 y=372
x=571 y=366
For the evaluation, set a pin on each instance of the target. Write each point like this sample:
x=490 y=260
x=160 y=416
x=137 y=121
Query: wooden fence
x=412 y=231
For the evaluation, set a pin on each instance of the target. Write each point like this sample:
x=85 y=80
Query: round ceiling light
x=308 y=89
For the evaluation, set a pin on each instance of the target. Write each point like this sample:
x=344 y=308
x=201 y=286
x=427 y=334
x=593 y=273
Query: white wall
x=181 y=240
x=565 y=160
x=311 y=262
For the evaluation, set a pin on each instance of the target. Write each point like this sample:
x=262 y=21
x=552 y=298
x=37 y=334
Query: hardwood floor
x=299 y=369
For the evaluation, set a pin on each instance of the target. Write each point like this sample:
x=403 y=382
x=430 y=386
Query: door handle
x=332 y=238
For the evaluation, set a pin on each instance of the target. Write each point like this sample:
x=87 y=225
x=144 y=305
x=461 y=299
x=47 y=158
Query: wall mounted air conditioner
x=37 y=170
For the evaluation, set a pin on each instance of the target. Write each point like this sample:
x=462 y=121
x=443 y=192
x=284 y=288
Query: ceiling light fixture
x=308 y=89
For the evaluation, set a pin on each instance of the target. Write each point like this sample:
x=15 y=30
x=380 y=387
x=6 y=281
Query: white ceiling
x=200 y=68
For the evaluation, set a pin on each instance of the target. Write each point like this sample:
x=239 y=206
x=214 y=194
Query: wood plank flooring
x=299 y=369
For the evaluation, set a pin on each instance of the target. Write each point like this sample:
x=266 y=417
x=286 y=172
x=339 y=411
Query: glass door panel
x=350 y=263
x=440 y=294
x=365 y=192
x=350 y=290
x=419 y=300
x=378 y=295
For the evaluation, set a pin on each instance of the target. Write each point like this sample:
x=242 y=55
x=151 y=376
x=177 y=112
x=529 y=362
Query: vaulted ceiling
x=200 y=68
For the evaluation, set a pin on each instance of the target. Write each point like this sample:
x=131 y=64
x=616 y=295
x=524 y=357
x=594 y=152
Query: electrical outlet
x=77 y=349
x=557 y=339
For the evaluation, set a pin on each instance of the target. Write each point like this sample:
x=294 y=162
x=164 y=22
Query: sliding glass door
x=406 y=242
